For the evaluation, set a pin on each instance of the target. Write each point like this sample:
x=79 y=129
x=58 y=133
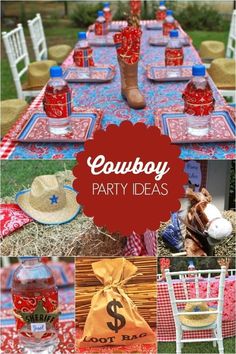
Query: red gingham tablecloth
x=165 y=320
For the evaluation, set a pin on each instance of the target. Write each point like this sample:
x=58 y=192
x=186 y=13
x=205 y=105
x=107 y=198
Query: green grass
x=200 y=36
x=16 y=175
x=59 y=34
x=195 y=348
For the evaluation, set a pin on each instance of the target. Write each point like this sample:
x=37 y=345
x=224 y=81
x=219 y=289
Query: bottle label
x=108 y=16
x=198 y=102
x=160 y=15
x=37 y=314
x=101 y=28
x=174 y=56
x=38 y=327
x=83 y=57
x=167 y=27
x=57 y=105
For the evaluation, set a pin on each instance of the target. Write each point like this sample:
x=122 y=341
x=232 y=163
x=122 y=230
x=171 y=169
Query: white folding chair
x=231 y=45
x=231 y=53
x=39 y=42
x=178 y=305
x=38 y=38
x=17 y=53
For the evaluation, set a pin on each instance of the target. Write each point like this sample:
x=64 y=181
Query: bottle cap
x=191 y=264
x=169 y=12
x=162 y=3
x=174 y=34
x=100 y=13
x=198 y=70
x=82 y=35
x=106 y=4
x=55 y=71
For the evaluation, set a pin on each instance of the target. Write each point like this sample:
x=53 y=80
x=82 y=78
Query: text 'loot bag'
x=113 y=318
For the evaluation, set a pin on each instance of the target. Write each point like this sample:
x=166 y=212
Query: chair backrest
x=189 y=291
x=17 y=53
x=38 y=37
x=231 y=46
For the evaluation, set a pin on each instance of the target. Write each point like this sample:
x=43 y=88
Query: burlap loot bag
x=113 y=318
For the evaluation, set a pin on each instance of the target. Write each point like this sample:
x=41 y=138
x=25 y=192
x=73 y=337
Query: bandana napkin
x=12 y=218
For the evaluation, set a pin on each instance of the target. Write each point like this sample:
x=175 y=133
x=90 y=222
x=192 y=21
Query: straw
x=79 y=237
x=226 y=248
x=141 y=288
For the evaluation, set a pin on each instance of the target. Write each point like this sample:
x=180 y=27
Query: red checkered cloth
x=11 y=219
x=8 y=144
x=141 y=245
x=165 y=320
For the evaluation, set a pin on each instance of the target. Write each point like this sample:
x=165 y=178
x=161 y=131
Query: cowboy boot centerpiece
x=135 y=7
x=128 y=49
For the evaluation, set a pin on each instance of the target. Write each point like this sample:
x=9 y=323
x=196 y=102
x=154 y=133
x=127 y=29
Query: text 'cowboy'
x=100 y=165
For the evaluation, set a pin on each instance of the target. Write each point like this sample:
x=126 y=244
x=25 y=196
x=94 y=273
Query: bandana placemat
x=12 y=218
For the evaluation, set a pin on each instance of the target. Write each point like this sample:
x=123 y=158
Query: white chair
x=231 y=53
x=17 y=53
x=178 y=305
x=230 y=50
x=56 y=52
x=231 y=45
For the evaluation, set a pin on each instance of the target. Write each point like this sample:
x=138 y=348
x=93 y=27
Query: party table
x=107 y=97
x=9 y=341
x=165 y=320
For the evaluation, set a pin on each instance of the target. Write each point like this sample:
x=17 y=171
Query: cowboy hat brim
x=62 y=216
x=203 y=322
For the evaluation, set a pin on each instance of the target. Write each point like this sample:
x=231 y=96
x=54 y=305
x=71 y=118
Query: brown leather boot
x=129 y=85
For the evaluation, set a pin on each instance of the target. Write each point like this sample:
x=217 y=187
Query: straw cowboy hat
x=10 y=111
x=38 y=74
x=48 y=201
x=210 y=50
x=198 y=320
x=223 y=73
x=59 y=52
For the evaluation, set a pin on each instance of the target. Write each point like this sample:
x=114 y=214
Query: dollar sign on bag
x=112 y=311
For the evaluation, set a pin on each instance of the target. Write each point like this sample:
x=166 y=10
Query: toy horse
x=204 y=224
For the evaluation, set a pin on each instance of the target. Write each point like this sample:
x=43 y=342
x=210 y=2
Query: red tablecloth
x=166 y=325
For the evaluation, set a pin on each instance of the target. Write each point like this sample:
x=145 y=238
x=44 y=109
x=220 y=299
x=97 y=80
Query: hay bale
x=224 y=249
x=79 y=237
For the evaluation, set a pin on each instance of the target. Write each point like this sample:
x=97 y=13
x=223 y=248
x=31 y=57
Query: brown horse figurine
x=204 y=223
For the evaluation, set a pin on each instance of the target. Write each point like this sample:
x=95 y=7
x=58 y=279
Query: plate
x=172 y=73
x=84 y=122
x=161 y=41
x=101 y=41
x=116 y=27
x=155 y=25
x=101 y=73
x=173 y=124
